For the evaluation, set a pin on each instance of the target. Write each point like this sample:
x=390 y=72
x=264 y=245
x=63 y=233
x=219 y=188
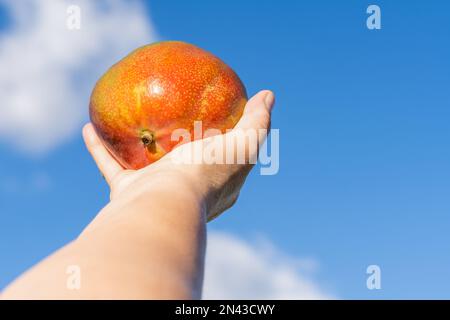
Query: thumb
x=106 y=163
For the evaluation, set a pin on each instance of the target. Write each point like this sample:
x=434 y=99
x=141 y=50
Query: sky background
x=363 y=117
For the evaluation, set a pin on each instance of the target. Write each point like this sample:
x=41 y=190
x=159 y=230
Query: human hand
x=216 y=186
x=150 y=240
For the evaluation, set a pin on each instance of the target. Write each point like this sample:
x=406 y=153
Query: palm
x=220 y=184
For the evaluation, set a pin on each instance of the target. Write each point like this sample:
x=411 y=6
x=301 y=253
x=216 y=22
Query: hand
x=216 y=186
x=149 y=242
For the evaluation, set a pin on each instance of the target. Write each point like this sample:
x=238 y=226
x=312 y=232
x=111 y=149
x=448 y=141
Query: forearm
x=149 y=246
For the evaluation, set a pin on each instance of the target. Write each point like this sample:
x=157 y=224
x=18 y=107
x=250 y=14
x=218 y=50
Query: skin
x=139 y=102
x=149 y=241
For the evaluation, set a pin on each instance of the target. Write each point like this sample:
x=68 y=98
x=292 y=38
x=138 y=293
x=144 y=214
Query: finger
x=108 y=166
x=245 y=140
x=257 y=112
x=256 y=117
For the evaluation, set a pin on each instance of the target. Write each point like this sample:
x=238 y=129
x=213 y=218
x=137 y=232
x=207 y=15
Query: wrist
x=174 y=185
x=155 y=201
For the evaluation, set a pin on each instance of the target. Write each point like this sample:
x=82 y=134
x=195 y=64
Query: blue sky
x=364 y=164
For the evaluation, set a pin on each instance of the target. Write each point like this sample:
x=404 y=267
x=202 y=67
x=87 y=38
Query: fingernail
x=268 y=100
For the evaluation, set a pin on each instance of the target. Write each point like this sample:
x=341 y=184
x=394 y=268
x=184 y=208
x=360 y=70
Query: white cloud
x=48 y=71
x=237 y=269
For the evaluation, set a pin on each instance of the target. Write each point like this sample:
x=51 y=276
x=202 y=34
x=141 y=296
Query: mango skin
x=159 y=88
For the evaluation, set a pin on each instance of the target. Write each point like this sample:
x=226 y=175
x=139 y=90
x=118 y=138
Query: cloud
x=48 y=70
x=237 y=269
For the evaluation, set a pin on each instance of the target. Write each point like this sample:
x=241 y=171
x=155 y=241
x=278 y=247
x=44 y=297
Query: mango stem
x=146 y=137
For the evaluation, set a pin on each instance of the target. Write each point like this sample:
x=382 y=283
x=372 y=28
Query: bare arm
x=149 y=241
